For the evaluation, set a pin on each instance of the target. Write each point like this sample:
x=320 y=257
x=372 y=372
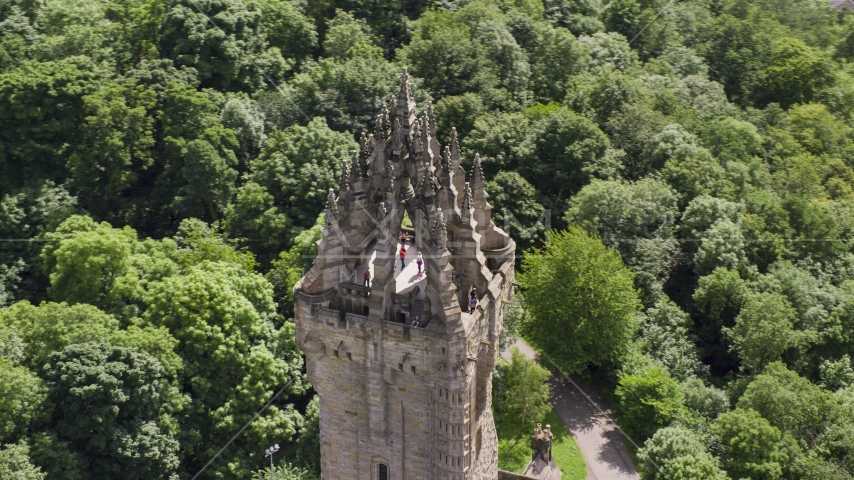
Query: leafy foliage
x=709 y=145
x=579 y=287
x=108 y=400
x=523 y=396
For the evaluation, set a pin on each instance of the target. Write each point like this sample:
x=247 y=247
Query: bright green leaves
x=754 y=448
x=87 y=264
x=522 y=396
x=795 y=73
x=580 y=289
x=763 y=330
x=201 y=316
x=648 y=402
x=50 y=327
x=15 y=463
x=234 y=358
x=297 y=166
x=678 y=452
x=21 y=397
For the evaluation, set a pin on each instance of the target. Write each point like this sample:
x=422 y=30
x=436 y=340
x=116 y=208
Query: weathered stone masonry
x=398 y=402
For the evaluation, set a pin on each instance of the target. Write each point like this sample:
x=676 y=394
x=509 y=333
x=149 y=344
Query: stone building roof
x=840 y=4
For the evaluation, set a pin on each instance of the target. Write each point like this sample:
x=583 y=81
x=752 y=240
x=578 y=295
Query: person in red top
x=402 y=256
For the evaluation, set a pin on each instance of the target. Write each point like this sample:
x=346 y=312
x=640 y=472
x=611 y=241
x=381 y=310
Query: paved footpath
x=600 y=442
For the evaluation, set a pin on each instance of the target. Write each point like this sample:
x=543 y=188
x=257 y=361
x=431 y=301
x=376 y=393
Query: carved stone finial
x=331 y=207
x=355 y=166
x=381 y=124
x=397 y=140
x=455 y=147
x=467 y=204
x=477 y=169
x=425 y=185
x=388 y=184
x=405 y=111
x=416 y=129
x=440 y=231
x=478 y=183
x=365 y=146
x=417 y=145
x=382 y=214
x=344 y=183
x=404 y=95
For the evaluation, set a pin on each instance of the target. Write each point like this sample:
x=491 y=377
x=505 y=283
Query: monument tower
x=399 y=402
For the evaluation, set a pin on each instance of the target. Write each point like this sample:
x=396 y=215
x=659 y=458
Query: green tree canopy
x=763 y=330
x=754 y=448
x=648 y=402
x=229 y=51
x=21 y=397
x=578 y=287
x=525 y=398
x=108 y=400
x=15 y=463
x=677 y=452
x=515 y=208
x=297 y=166
x=234 y=358
x=41 y=105
x=118 y=136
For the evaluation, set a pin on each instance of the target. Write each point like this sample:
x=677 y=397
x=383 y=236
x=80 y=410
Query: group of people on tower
x=419 y=261
x=416 y=322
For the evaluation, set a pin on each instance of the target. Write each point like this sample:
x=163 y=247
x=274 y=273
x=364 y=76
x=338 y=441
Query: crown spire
x=355 y=164
x=431 y=130
x=447 y=171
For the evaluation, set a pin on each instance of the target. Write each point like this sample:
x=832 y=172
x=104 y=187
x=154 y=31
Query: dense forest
x=679 y=174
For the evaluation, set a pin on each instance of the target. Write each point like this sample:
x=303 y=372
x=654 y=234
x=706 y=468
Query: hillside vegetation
x=163 y=166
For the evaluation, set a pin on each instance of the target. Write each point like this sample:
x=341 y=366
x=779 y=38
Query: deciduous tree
x=578 y=287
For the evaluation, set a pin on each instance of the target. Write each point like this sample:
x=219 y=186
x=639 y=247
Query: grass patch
x=514 y=452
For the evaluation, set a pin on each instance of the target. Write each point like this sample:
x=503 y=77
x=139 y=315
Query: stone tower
x=399 y=402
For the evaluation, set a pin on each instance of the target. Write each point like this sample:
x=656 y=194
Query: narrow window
x=413 y=369
x=336 y=353
x=349 y=356
x=400 y=366
x=383 y=471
